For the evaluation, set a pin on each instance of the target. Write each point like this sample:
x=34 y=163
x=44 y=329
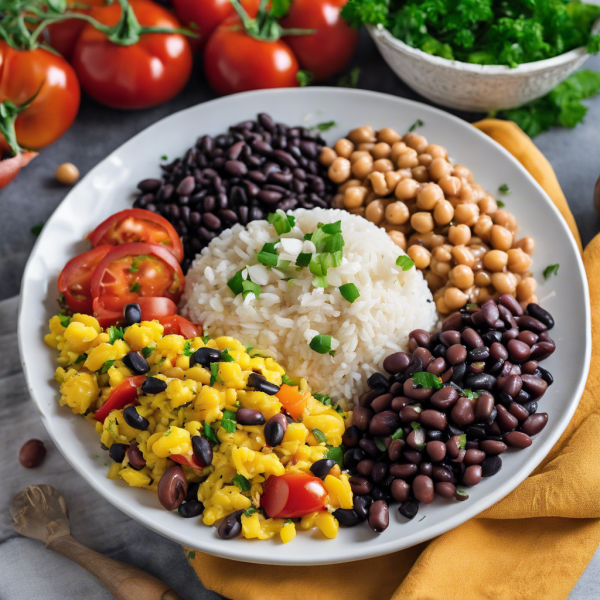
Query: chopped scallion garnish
x=349 y=292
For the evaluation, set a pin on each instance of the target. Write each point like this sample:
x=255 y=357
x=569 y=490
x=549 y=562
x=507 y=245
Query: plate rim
x=397 y=544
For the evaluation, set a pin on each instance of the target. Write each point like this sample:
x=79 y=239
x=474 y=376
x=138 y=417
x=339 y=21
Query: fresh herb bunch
x=486 y=32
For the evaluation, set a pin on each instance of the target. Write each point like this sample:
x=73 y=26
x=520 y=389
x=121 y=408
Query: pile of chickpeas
x=448 y=224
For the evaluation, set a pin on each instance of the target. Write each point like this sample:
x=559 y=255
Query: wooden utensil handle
x=123 y=581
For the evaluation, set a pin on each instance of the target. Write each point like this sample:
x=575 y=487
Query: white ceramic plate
x=109 y=187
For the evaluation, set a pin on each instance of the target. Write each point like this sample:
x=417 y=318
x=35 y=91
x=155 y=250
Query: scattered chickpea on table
x=448 y=224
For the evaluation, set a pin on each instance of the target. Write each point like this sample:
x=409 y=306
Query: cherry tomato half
x=190 y=461
x=330 y=48
x=178 y=325
x=293 y=495
x=125 y=393
x=235 y=62
x=137 y=225
x=136 y=270
x=23 y=73
x=149 y=72
x=75 y=279
x=111 y=313
x=10 y=167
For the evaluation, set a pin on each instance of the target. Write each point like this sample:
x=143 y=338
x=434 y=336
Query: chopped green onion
x=249 y=287
x=324 y=126
x=80 y=358
x=228 y=422
x=191 y=554
x=106 y=366
x=324 y=399
x=462 y=441
x=333 y=227
x=380 y=444
x=321 y=344
x=398 y=434
x=187 y=350
x=304 y=77
x=147 y=351
x=268 y=255
x=303 y=259
x=319 y=435
x=214 y=373
x=417 y=123
x=349 y=292
x=114 y=334
x=405 y=262
x=65 y=319
x=283 y=223
x=551 y=270
x=470 y=395
x=242 y=483
x=335 y=453
x=226 y=357
x=205 y=339
x=250 y=511
x=210 y=433
x=415 y=425
x=235 y=283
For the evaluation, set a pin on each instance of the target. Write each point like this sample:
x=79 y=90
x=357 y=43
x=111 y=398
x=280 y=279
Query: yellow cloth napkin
x=534 y=544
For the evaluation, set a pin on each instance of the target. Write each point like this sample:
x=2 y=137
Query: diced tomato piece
x=178 y=325
x=293 y=495
x=125 y=393
x=293 y=400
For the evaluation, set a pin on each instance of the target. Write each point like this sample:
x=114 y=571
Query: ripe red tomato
x=51 y=113
x=149 y=72
x=137 y=225
x=293 y=495
x=75 y=279
x=109 y=310
x=132 y=271
x=125 y=393
x=330 y=48
x=190 y=461
x=178 y=325
x=236 y=62
x=10 y=167
x=203 y=16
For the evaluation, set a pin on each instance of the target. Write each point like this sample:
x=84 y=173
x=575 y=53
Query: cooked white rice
x=285 y=317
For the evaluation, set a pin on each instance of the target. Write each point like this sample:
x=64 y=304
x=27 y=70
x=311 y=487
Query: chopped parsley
x=168 y=432
x=417 y=123
x=164 y=157
x=405 y=262
x=304 y=77
x=135 y=263
x=504 y=189
x=114 y=334
x=228 y=422
x=147 y=351
x=242 y=483
x=191 y=555
x=65 y=319
x=380 y=444
x=283 y=223
x=350 y=79
x=325 y=125
x=37 y=228
x=80 y=358
x=210 y=434
x=422 y=518
x=349 y=292
x=335 y=453
x=427 y=380
x=250 y=511
x=323 y=399
x=288 y=381
x=214 y=373
x=205 y=339
x=500 y=204
x=135 y=287
x=187 y=348
x=106 y=366
x=226 y=357
x=319 y=435
x=551 y=270
x=470 y=395
x=322 y=344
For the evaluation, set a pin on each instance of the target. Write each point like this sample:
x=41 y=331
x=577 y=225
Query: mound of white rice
x=286 y=316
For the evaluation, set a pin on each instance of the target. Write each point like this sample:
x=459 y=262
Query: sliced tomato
x=190 y=461
x=177 y=325
x=293 y=495
x=125 y=393
x=292 y=399
x=109 y=310
x=137 y=270
x=10 y=167
x=137 y=225
x=76 y=278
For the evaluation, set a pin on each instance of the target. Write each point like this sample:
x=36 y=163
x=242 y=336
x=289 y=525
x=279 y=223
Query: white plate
x=108 y=188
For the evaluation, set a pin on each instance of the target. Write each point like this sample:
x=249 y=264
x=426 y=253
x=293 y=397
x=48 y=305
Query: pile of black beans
x=241 y=176
x=408 y=443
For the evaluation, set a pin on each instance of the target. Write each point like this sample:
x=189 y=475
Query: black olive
x=202 y=450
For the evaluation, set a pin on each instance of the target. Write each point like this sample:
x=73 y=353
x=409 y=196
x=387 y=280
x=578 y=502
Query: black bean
x=351 y=436
x=352 y=457
x=249 y=416
x=204 y=356
x=153 y=385
x=260 y=384
x=149 y=185
x=202 y=449
x=134 y=419
x=321 y=467
x=347 y=517
x=361 y=506
x=483 y=381
x=273 y=432
x=193 y=508
x=135 y=457
x=117 y=452
x=546 y=376
x=490 y=466
x=231 y=526
x=409 y=509
x=377 y=380
x=132 y=313
x=136 y=362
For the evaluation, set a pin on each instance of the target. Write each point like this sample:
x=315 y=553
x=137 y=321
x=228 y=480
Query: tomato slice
x=178 y=325
x=10 y=167
x=190 y=461
x=137 y=225
x=293 y=495
x=292 y=399
x=76 y=278
x=136 y=270
x=125 y=393
x=109 y=310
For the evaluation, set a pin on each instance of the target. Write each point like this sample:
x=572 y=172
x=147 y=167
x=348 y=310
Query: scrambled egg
x=195 y=402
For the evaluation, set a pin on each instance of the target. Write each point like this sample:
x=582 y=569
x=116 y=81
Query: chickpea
x=355 y=196
x=344 y=148
x=420 y=256
x=506 y=219
x=450 y=185
x=392 y=179
x=483 y=278
x=462 y=276
x=505 y=283
x=338 y=201
x=360 y=211
x=327 y=156
x=407 y=189
x=362 y=167
x=398 y=149
x=378 y=183
x=435 y=282
x=501 y=238
x=455 y=298
x=67 y=174
x=527 y=244
x=383 y=165
x=404 y=173
x=483 y=227
x=518 y=261
x=439 y=168
x=462 y=171
x=466 y=214
x=459 y=235
x=442 y=254
x=466 y=193
x=487 y=205
x=365 y=147
x=441 y=269
x=388 y=136
x=463 y=256
x=442 y=306
x=375 y=212
x=443 y=212
x=381 y=150
x=422 y=222
x=433 y=240
x=416 y=141
x=408 y=159
x=421 y=174
x=436 y=151
x=396 y=213
x=495 y=260
x=484 y=293
x=362 y=134
x=398 y=238
x=350 y=183
x=358 y=154
x=478 y=191
x=425 y=159
x=339 y=170
x=429 y=196
x=526 y=288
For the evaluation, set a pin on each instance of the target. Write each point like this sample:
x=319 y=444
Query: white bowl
x=108 y=188
x=477 y=88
